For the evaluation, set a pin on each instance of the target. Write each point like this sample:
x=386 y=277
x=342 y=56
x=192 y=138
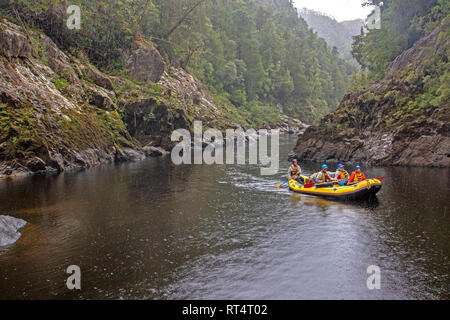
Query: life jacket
x=358 y=177
x=343 y=175
x=295 y=170
x=322 y=178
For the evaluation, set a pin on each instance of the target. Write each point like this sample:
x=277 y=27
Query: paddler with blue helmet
x=321 y=177
x=357 y=176
x=342 y=175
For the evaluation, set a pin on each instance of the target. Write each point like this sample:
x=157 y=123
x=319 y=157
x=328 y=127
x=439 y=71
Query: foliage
x=403 y=22
x=253 y=52
x=60 y=83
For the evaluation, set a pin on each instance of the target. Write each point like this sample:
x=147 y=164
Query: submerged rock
x=9 y=230
x=151 y=151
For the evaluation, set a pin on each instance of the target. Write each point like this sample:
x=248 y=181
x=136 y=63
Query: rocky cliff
x=58 y=112
x=404 y=119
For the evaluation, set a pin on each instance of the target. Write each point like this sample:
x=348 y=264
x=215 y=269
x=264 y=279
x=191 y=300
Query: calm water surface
x=151 y=230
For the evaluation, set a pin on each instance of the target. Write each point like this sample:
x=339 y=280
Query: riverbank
x=140 y=154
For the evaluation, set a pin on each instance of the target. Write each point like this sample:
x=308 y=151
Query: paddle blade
x=309 y=185
x=279 y=185
x=380 y=178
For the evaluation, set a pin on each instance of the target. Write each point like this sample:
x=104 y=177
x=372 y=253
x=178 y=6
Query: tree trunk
x=180 y=22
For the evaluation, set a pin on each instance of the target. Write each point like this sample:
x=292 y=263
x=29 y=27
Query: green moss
x=38 y=49
x=60 y=83
x=112 y=125
x=153 y=90
x=126 y=86
x=18 y=130
x=90 y=128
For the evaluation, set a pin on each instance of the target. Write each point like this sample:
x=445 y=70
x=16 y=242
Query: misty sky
x=341 y=10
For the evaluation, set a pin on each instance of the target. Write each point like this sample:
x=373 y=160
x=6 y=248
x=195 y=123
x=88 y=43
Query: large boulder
x=9 y=230
x=35 y=164
x=144 y=62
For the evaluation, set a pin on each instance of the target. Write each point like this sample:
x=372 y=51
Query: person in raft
x=321 y=177
x=342 y=175
x=294 y=171
x=357 y=176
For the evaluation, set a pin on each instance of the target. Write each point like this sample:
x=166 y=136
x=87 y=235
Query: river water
x=152 y=230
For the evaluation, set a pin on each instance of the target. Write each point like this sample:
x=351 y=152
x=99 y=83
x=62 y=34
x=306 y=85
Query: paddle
x=310 y=185
x=379 y=178
x=322 y=185
x=282 y=184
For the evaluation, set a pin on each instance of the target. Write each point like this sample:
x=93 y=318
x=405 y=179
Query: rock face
x=14 y=41
x=56 y=114
x=177 y=99
x=293 y=126
x=195 y=99
x=9 y=230
x=404 y=119
x=144 y=62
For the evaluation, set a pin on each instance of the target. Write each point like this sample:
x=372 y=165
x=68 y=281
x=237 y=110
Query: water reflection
x=154 y=230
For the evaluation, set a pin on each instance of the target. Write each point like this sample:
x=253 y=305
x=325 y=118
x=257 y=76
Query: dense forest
x=403 y=23
x=397 y=111
x=257 y=54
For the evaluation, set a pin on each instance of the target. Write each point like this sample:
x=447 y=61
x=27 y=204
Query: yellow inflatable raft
x=358 y=191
